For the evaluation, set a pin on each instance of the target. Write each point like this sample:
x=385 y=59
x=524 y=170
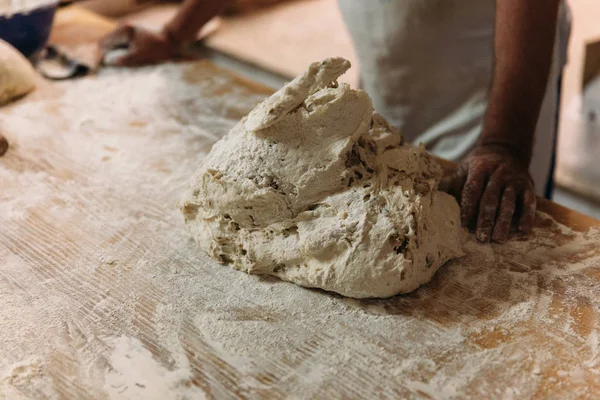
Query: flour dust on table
x=103 y=297
x=315 y=188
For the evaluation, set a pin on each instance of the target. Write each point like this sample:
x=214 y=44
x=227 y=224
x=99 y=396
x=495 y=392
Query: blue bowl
x=28 y=31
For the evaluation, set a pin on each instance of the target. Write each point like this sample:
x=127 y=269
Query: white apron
x=427 y=65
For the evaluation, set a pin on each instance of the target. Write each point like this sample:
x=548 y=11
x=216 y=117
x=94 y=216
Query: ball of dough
x=315 y=188
x=113 y=57
x=17 y=76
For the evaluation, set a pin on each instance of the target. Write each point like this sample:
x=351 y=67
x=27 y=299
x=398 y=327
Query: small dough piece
x=17 y=76
x=113 y=57
x=315 y=188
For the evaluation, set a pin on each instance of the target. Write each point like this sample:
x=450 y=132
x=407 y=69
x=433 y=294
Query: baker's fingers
x=488 y=208
x=527 y=217
x=471 y=194
x=505 y=215
x=119 y=38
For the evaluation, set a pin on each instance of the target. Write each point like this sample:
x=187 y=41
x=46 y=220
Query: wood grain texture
x=104 y=295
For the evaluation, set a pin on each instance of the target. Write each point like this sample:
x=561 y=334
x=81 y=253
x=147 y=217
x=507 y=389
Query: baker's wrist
x=176 y=43
x=509 y=128
x=516 y=150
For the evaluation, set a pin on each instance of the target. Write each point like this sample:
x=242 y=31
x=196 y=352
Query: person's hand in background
x=130 y=46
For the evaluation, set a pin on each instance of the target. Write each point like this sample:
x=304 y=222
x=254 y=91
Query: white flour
x=135 y=373
x=103 y=294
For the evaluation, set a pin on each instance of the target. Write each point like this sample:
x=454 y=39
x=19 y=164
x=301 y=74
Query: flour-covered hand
x=494 y=187
x=136 y=46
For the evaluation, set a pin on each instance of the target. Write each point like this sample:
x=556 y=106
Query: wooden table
x=265 y=37
x=104 y=295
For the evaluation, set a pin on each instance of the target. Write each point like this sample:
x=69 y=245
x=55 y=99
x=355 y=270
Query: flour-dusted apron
x=428 y=66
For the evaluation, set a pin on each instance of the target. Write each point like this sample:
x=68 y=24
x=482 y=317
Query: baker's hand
x=133 y=46
x=494 y=186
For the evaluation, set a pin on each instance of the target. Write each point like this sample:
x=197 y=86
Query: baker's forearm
x=191 y=17
x=524 y=43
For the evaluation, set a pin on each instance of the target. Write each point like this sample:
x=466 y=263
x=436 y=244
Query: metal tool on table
x=56 y=64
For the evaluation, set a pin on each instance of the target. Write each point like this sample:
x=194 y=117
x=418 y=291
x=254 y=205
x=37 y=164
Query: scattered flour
x=135 y=374
x=99 y=282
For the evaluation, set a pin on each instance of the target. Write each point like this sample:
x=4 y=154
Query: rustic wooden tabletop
x=104 y=295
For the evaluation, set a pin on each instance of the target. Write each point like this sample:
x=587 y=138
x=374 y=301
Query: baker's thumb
x=122 y=37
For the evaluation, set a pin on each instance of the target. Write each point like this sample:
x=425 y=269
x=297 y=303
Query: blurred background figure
x=467 y=80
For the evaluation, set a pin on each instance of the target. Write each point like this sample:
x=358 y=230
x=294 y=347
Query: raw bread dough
x=114 y=56
x=315 y=188
x=17 y=76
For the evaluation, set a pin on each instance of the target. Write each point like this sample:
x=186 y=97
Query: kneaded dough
x=315 y=188
x=113 y=57
x=17 y=76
